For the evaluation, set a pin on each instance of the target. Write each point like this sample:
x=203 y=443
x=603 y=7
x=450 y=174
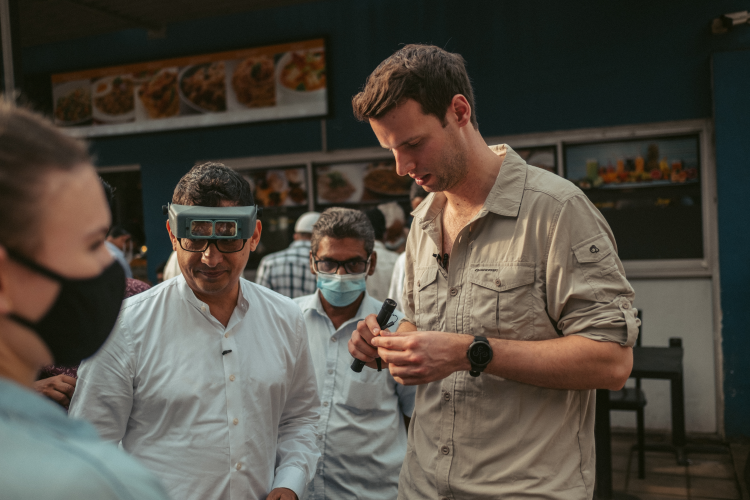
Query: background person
x=287 y=271
x=395 y=234
x=60 y=292
x=516 y=305
x=396 y=288
x=364 y=416
x=119 y=241
x=58 y=382
x=378 y=283
x=207 y=378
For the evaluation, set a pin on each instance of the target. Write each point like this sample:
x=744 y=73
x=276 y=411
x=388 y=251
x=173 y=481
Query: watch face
x=480 y=354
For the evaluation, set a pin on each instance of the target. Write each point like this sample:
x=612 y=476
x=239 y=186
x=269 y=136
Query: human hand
x=59 y=388
x=282 y=494
x=360 y=344
x=420 y=357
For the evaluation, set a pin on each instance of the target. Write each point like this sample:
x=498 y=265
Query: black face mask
x=80 y=320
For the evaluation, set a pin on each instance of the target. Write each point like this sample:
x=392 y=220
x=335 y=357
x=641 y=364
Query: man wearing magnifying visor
x=207 y=378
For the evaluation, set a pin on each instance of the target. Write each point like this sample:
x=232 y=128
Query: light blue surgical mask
x=341 y=289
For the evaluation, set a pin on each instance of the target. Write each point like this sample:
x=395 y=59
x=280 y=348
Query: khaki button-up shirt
x=537 y=258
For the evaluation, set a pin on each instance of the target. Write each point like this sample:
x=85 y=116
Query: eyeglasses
x=352 y=266
x=201 y=245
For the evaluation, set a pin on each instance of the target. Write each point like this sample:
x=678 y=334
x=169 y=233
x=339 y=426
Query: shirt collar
x=504 y=197
x=188 y=294
x=368 y=306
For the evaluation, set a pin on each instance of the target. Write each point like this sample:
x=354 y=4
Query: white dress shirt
x=172 y=267
x=214 y=412
x=361 y=432
x=396 y=290
x=378 y=283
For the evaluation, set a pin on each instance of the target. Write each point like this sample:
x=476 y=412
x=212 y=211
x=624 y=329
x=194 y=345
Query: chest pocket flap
x=593 y=249
x=503 y=277
x=425 y=277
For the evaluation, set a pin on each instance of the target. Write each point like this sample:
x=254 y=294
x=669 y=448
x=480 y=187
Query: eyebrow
x=410 y=139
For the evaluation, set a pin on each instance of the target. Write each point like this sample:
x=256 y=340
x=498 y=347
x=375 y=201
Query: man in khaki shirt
x=505 y=262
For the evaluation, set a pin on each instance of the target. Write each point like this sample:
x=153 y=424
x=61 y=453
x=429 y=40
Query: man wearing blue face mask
x=361 y=433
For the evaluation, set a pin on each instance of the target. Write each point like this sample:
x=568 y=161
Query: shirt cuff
x=290 y=477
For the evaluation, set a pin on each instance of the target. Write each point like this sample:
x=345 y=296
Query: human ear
x=373 y=262
x=461 y=110
x=312 y=264
x=172 y=238
x=255 y=239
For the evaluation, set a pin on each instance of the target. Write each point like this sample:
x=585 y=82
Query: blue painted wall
x=536 y=66
x=732 y=121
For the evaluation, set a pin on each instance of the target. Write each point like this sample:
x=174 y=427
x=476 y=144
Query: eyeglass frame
x=368 y=262
x=215 y=241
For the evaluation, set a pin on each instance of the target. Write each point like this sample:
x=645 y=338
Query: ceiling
x=49 y=21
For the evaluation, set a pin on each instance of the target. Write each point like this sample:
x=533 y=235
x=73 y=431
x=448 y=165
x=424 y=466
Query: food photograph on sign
x=633 y=163
x=279 y=187
x=360 y=183
x=263 y=83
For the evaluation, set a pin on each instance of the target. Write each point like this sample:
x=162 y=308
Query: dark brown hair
x=428 y=74
x=339 y=223
x=30 y=149
x=207 y=184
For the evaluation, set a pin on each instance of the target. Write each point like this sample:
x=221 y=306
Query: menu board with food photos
x=359 y=183
x=256 y=84
x=283 y=187
x=648 y=190
x=540 y=156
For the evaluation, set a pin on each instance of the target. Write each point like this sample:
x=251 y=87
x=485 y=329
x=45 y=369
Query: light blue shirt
x=45 y=455
x=361 y=433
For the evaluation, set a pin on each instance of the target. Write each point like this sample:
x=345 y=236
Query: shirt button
x=454 y=291
x=226 y=335
x=203 y=308
x=235 y=421
x=498 y=282
x=231 y=377
x=445 y=450
x=238 y=466
x=325 y=403
x=419 y=283
x=330 y=372
x=333 y=339
x=447 y=396
x=626 y=305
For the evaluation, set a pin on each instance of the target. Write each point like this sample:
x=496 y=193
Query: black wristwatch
x=479 y=354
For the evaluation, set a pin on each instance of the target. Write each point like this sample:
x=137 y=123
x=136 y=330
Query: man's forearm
x=572 y=362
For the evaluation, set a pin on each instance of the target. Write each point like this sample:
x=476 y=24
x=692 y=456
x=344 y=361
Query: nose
x=341 y=269
x=211 y=256
x=404 y=162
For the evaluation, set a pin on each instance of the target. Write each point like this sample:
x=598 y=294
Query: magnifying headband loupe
x=195 y=222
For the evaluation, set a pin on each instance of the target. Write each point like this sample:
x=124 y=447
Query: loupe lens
x=201 y=228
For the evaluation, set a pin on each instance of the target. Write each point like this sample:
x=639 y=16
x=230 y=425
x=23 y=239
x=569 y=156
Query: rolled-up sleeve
x=296 y=452
x=587 y=292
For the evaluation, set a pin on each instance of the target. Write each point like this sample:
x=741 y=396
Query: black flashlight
x=383 y=316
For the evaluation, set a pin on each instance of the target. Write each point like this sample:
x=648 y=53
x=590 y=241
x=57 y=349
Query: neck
x=221 y=305
x=340 y=315
x=483 y=166
x=12 y=366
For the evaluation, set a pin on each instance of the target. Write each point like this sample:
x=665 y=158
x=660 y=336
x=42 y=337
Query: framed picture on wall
x=279 y=187
x=649 y=190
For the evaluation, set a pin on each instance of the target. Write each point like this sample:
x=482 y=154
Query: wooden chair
x=633 y=399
